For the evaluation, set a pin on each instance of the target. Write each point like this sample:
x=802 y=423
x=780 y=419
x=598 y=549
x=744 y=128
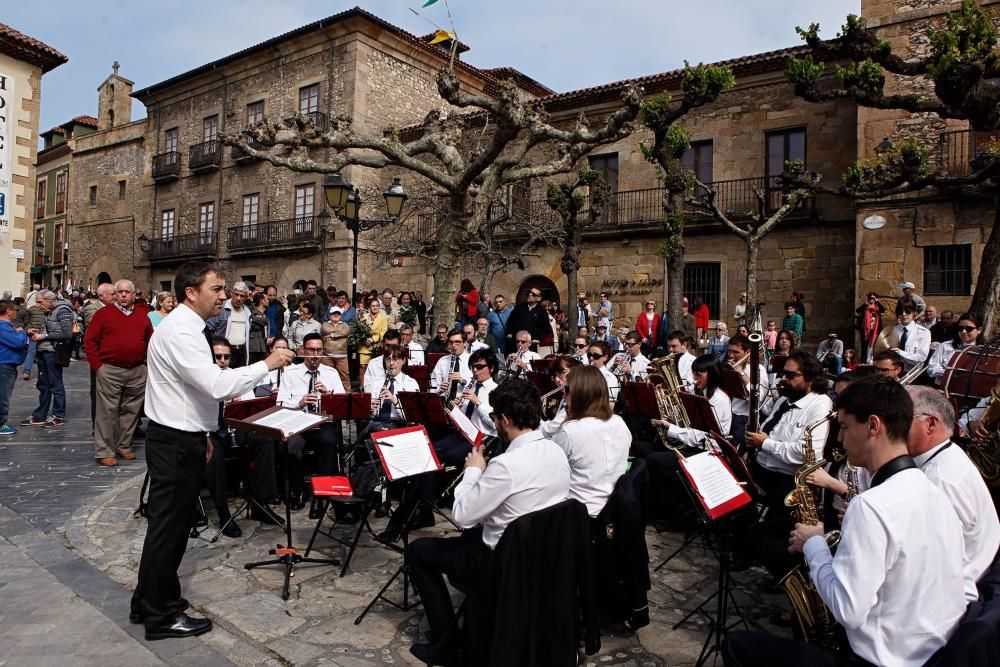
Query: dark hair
x=467 y=285
x=517 y=400
x=395 y=352
x=484 y=355
x=312 y=283
x=710 y=365
x=633 y=336
x=456 y=332
x=791 y=338
x=6 y=305
x=341 y=293
x=882 y=397
x=303 y=303
x=589 y=392
x=811 y=369
x=193 y=274
x=677 y=334
x=906 y=303
x=846 y=376
x=603 y=344
x=564 y=362
x=789 y=304
x=257 y=298
x=889 y=355
x=392 y=334
x=972 y=317
x=741 y=340
x=219 y=340
x=276 y=339
x=311 y=336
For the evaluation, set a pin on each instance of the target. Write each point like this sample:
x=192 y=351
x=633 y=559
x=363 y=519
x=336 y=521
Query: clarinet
x=455 y=384
x=311 y=390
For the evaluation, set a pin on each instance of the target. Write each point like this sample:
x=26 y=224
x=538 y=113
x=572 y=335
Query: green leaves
x=867 y=77
x=906 y=162
x=968 y=39
x=703 y=84
x=803 y=72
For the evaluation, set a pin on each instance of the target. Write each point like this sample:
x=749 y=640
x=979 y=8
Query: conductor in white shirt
x=183 y=393
x=896 y=582
x=530 y=475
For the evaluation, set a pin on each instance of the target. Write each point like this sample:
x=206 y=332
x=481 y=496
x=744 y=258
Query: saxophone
x=813 y=616
x=667 y=398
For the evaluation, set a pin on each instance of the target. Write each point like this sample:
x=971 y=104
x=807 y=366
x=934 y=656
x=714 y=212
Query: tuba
x=813 y=616
x=668 y=390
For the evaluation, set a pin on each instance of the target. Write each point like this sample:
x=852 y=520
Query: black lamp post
x=345 y=199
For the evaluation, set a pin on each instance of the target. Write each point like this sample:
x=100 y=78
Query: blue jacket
x=13 y=344
x=498 y=327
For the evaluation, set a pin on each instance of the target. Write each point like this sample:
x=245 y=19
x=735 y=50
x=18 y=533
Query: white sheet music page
x=714 y=482
x=465 y=425
x=406 y=453
x=290 y=421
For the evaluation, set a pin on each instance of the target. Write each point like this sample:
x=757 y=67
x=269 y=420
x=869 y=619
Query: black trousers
x=463 y=559
x=668 y=497
x=175 y=460
x=239 y=358
x=740 y=432
x=327 y=441
x=750 y=649
x=259 y=458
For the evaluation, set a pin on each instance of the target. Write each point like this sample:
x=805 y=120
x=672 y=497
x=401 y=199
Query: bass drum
x=971 y=374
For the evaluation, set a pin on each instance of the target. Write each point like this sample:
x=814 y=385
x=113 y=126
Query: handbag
x=63 y=352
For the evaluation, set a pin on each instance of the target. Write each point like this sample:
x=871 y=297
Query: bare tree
x=700 y=85
x=504 y=129
x=952 y=81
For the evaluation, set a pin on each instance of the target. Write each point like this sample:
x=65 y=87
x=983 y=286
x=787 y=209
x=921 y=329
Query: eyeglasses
x=580 y=346
x=789 y=375
x=223 y=357
x=967 y=329
x=456 y=342
x=594 y=355
x=479 y=367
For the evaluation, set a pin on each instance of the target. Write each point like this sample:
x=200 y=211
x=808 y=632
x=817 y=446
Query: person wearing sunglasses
x=780 y=440
x=580 y=345
x=530 y=316
x=969 y=332
x=910 y=340
x=598 y=354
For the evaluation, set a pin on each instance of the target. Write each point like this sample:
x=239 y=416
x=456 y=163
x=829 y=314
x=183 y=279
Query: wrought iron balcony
x=182 y=247
x=295 y=233
x=238 y=155
x=318 y=119
x=958 y=150
x=204 y=156
x=166 y=166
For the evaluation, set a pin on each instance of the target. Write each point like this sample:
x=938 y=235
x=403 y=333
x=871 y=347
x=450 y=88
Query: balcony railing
x=167 y=166
x=300 y=232
x=182 y=246
x=958 y=150
x=238 y=154
x=318 y=119
x=206 y=155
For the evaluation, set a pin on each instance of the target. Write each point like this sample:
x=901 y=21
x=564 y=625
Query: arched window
x=111 y=117
x=542 y=284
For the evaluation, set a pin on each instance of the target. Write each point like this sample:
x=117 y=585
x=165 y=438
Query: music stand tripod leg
x=403 y=569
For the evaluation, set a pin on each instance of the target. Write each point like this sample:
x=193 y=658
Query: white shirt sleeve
x=186 y=357
x=918 y=345
x=941 y=356
x=788 y=440
x=480 y=493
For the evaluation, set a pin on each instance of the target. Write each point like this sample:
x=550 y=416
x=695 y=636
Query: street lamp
x=395 y=197
x=143 y=242
x=337 y=189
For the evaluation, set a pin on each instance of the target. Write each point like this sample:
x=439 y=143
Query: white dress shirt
x=476 y=345
x=401 y=382
x=782 y=450
x=918 y=344
x=527 y=357
x=549 y=427
x=939 y=360
x=443 y=367
x=612 y=381
x=598 y=455
x=531 y=475
x=741 y=406
x=684 y=369
x=640 y=366
x=374 y=375
x=948 y=467
x=295 y=383
x=896 y=581
x=692 y=437
x=416 y=354
x=481 y=415
x=183 y=383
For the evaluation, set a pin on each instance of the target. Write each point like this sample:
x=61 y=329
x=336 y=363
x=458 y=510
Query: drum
x=971 y=373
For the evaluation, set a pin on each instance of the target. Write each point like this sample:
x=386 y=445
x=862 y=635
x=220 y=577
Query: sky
x=563 y=44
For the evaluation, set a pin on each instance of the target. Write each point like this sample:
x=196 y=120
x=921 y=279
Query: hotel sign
x=7 y=125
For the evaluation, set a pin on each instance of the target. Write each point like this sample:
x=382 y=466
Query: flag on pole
x=441 y=36
x=428 y=3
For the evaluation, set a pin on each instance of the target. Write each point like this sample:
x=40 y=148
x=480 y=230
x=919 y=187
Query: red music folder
x=715 y=485
x=405 y=452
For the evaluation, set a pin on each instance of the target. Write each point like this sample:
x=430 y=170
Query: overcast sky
x=563 y=44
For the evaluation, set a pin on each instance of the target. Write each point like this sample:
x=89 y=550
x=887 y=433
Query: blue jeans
x=50 y=387
x=8 y=378
x=30 y=359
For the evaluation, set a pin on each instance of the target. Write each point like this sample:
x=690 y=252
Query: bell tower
x=114 y=104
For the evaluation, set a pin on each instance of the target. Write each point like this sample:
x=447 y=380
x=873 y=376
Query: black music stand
x=542 y=381
x=732 y=383
x=700 y=413
x=423 y=407
x=640 y=399
x=422 y=374
x=354 y=406
x=433 y=358
x=542 y=365
x=287 y=555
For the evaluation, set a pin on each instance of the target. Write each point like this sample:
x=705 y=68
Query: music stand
x=640 y=399
x=386 y=444
x=732 y=383
x=542 y=365
x=700 y=413
x=421 y=407
x=422 y=374
x=434 y=357
x=287 y=556
x=542 y=381
x=352 y=406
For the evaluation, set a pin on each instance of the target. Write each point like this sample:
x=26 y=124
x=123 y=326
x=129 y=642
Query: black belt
x=155 y=424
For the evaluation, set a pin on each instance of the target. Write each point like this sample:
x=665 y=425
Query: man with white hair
x=951 y=471
x=116 y=343
x=59 y=317
x=233 y=324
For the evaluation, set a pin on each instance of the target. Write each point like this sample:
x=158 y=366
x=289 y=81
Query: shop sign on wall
x=7 y=125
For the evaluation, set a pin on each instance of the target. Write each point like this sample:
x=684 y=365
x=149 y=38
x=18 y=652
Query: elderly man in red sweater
x=116 y=343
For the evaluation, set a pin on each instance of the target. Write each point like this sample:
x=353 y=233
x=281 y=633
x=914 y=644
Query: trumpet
x=514 y=361
x=617 y=364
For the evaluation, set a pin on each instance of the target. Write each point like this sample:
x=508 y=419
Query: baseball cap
x=603 y=322
x=335 y=309
x=908 y=285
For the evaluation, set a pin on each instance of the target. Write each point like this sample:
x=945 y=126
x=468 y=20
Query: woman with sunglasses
x=968 y=332
x=559 y=370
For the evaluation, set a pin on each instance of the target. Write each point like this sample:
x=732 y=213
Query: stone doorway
x=542 y=284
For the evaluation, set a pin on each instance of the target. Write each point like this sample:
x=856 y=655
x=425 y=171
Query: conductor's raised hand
x=279 y=358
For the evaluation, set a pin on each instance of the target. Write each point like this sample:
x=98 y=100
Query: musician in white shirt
x=599 y=353
x=913 y=341
x=596 y=441
x=519 y=361
x=896 y=582
x=560 y=374
x=302 y=388
x=183 y=392
x=530 y=475
x=375 y=372
x=739 y=350
x=780 y=440
x=580 y=345
x=385 y=398
x=948 y=467
x=968 y=330
x=636 y=365
x=416 y=353
x=707 y=372
x=442 y=376
x=677 y=343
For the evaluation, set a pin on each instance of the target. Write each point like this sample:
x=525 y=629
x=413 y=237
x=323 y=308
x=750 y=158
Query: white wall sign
x=17 y=253
x=7 y=125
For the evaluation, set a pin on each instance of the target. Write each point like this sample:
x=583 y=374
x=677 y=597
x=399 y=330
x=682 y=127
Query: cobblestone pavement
x=72 y=523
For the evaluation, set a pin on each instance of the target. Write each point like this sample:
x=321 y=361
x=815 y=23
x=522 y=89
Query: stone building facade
x=23 y=61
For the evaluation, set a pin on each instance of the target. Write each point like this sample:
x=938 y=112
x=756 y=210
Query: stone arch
x=104 y=266
x=543 y=283
x=302 y=269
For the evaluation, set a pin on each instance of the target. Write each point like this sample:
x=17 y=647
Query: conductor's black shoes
x=230 y=528
x=135 y=614
x=181 y=626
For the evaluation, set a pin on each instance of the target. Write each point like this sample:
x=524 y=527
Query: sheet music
x=290 y=421
x=712 y=479
x=407 y=453
x=465 y=425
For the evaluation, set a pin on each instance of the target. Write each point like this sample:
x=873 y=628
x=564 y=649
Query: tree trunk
x=447 y=271
x=987 y=294
x=675 y=271
x=570 y=267
x=753 y=246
